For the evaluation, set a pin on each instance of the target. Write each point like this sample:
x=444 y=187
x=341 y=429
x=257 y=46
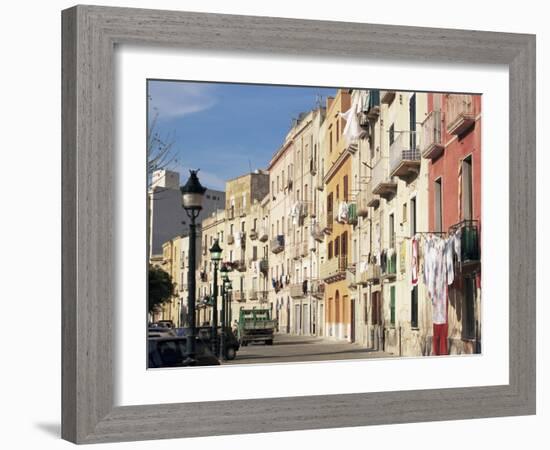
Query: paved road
x=287 y=348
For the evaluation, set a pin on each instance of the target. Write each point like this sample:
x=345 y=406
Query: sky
x=225 y=130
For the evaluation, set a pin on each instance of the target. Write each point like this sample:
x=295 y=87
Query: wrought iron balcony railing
x=432 y=137
x=404 y=155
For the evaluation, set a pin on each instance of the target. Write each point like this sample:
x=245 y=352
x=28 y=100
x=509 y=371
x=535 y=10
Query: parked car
x=156 y=332
x=231 y=343
x=172 y=352
x=165 y=324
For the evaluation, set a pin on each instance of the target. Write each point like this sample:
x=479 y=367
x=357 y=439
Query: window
x=345 y=188
x=231 y=229
x=392 y=305
x=337 y=246
x=467 y=207
x=330 y=247
x=344 y=243
x=255 y=225
x=375 y=308
x=412 y=121
x=330 y=210
x=278 y=185
x=242 y=226
x=337 y=129
x=438 y=205
x=469 y=324
x=392 y=133
x=330 y=142
x=254 y=253
x=392 y=231
x=413 y=216
x=414 y=307
x=404 y=215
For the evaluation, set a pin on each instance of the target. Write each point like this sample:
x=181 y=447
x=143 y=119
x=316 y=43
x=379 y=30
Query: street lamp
x=216 y=257
x=225 y=280
x=192 y=196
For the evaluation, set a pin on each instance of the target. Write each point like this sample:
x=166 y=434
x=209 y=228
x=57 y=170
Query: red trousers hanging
x=440 y=339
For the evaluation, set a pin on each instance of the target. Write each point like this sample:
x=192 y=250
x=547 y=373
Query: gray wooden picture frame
x=89 y=35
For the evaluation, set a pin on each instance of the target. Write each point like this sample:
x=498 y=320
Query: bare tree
x=160 y=149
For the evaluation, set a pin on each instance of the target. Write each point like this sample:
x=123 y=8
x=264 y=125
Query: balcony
x=263 y=237
x=432 y=139
x=470 y=258
x=312 y=166
x=239 y=296
x=390 y=271
x=264 y=267
x=381 y=183
x=278 y=244
x=297 y=290
x=404 y=156
x=304 y=249
x=317 y=288
x=350 y=278
x=334 y=269
x=240 y=266
x=319 y=179
x=459 y=115
x=295 y=251
x=363 y=204
x=373 y=109
x=317 y=232
x=263 y=296
x=370 y=276
x=253 y=235
x=387 y=97
x=373 y=200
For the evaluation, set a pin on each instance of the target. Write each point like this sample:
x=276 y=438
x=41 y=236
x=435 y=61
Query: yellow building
x=337 y=180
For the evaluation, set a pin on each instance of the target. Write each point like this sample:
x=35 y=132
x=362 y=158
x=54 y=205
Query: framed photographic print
x=247 y=200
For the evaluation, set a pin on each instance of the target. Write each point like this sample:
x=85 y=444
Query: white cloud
x=174 y=99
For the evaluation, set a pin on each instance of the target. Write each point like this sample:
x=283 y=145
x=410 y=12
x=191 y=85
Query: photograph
x=298 y=224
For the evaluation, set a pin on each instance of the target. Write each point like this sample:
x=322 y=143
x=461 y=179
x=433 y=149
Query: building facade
x=452 y=146
x=339 y=306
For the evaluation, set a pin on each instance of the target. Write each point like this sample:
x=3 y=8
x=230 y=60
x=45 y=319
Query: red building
x=452 y=143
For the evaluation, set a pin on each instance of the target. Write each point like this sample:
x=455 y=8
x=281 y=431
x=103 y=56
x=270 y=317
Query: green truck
x=255 y=325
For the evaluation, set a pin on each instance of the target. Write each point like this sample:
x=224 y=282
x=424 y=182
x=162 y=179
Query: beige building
x=293 y=220
x=391 y=193
x=241 y=231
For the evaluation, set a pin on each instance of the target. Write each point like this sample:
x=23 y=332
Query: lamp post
x=225 y=280
x=192 y=196
x=216 y=257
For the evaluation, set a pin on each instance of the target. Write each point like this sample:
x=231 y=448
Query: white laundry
x=342 y=216
x=352 y=131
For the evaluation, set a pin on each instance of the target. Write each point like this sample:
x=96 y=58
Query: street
x=289 y=348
